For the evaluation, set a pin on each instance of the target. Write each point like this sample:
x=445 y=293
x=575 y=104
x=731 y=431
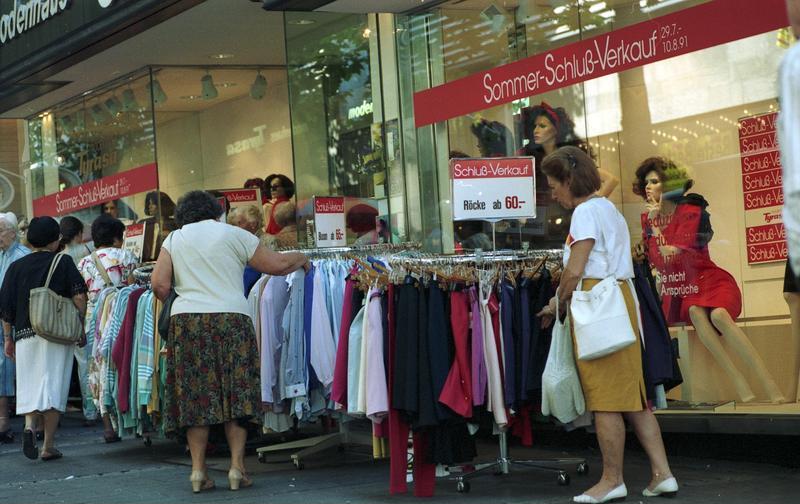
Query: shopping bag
x=562 y=396
x=602 y=323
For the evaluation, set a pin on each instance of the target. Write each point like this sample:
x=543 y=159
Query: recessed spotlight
x=301 y=22
x=221 y=56
x=190 y=97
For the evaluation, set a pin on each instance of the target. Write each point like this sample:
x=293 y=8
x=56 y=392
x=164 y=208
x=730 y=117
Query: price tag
x=329 y=221
x=493 y=188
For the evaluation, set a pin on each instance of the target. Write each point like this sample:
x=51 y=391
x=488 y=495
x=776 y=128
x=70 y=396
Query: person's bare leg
x=31 y=419
x=741 y=344
x=611 y=437
x=793 y=300
x=5 y=420
x=197 y=438
x=709 y=337
x=51 y=418
x=648 y=432
x=237 y=437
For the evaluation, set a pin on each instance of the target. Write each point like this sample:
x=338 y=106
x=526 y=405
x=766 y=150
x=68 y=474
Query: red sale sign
x=762 y=188
x=688 y=30
x=120 y=185
x=493 y=188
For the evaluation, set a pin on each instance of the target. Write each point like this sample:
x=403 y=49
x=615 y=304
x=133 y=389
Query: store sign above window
x=120 y=185
x=691 y=29
x=25 y=16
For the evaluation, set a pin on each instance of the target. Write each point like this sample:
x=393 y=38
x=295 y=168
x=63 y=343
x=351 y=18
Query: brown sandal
x=51 y=454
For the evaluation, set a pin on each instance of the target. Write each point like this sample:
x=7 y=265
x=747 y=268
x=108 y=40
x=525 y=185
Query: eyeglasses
x=275 y=187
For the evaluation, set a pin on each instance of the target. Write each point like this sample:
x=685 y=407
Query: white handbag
x=600 y=320
x=562 y=395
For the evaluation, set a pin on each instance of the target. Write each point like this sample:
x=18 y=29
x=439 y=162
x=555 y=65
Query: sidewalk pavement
x=130 y=472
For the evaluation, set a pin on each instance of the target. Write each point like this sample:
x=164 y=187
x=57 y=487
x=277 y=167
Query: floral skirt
x=212 y=370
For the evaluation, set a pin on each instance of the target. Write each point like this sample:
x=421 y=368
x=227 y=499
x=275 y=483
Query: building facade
x=370 y=101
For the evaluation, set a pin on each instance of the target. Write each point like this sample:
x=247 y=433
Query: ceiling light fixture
x=129 y=103
x=98 y=114
x=157 y=93
x=300 y=22
x=259 y=87
x=221 y=56
x=209 y=91
x=191 y=97
x=113 y=105
x=226 y=85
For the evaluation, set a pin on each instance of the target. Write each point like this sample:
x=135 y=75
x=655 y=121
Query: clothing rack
x=503 y=463
x=345 y=437
x=483 y=262
x=323 y=253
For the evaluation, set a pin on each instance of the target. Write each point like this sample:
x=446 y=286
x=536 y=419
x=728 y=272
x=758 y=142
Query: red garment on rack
x=339 y=386
x=122 y=350
x=424 y=472
x=457 y=391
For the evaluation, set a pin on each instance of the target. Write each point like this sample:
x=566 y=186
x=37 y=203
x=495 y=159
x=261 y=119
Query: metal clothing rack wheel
x=502 y=465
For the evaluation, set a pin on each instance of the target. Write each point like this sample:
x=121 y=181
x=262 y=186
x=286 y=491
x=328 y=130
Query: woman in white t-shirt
x=597 y=247
x=212 y=360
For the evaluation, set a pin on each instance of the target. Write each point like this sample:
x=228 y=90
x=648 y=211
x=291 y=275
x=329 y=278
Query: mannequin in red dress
x=694 y=289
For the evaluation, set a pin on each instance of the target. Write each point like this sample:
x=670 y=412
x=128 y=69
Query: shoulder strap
x=53 y=266
x=99 y=264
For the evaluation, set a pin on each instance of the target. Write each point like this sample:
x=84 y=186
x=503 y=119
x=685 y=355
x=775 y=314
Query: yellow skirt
x=614 y=382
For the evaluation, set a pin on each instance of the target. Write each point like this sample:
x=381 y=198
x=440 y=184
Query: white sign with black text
x=493 y=188
x=329 y=221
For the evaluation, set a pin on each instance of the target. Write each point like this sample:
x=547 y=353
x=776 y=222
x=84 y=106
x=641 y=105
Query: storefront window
x=87 y=146
x=709 y=116
x=344 y=144
x=225 y=128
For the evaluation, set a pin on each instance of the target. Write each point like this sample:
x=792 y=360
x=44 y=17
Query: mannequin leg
x=793 y=300
x=709 y=336
x=741 y=343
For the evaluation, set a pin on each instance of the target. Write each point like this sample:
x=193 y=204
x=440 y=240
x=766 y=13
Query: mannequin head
x=547 y=128
x=279 y=186
x=258 y=183
x=361 y=219
x=494 y=139
x=110 y=207
x=155 y=199
x=657 y=177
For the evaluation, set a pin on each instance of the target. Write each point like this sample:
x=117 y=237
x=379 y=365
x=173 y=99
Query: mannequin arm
x=608 y=182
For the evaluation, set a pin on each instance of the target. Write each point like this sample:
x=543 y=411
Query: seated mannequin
x=698 y=291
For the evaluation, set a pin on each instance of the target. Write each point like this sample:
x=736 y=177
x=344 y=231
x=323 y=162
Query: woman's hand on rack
x=548 y=313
